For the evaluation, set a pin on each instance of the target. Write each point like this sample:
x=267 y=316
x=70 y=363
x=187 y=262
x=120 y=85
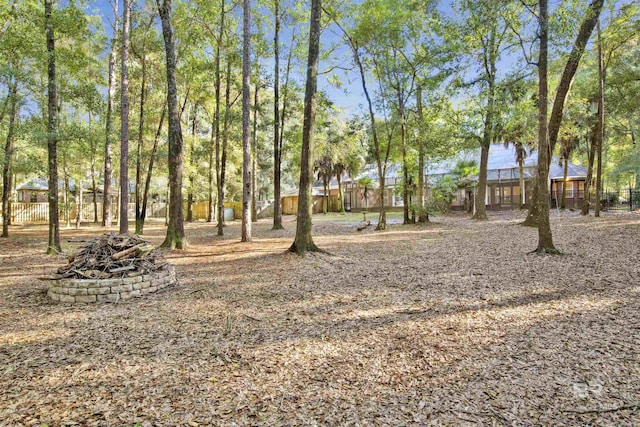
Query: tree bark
x=223 y=160
x=584 y=33
x=405 y=165
x=210 y=197
x=565 y=171
x=521 y=200
x=79 y=204
x=8 y=158
x=53 y=245
x=423 y=215
x=592 y=154
x=190 y=199
x=254 y=157
x=600 y=134
x=138 y=194
x=124 y=119
x=340 y=195
x=108 y=145
x=175 y=238
x=216 y=124
x=147 y=183
x=246 y=122
x=67 y=203
x=94 y=155
x=304 y=241
x=545 y=238
x=277 y=155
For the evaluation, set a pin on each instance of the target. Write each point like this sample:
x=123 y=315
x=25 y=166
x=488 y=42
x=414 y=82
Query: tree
x=254 y=155
x=303 y=241
x=53 y=246
x=108 y=145
x=141 y=54
x=246 y=123
x=486 y=33
x=277 y=138
x=562 y=90
x=381 y=153
x=8 y=157
x=175 y=238
x=545 y=238
x=124 y=119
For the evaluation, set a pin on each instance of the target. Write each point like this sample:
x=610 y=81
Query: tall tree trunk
x=600 y=134
x=217 y=84
x=8 y=158
x=521 y=200
x=94 y=155
x=79 y=204
x=175 y=238
x=592 y=154
x=277 y=143
x=405 y=164
x=108 y=145
x=303 y=241
x=191 y=166
x=545 y=238
x=225 y=138
x=210 y=172
x=246 y=122
x=382 y=165
x=487 y=137
x=67 y=202
x=124 y=119
x=340 y=195
x=53 y=245
x=254 y=157
x=138 y=194
x=147 y=183
x=423 y=215
x=325 y=198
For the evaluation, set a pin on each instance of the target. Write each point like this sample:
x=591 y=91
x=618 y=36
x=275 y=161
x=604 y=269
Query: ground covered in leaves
x=450 y=323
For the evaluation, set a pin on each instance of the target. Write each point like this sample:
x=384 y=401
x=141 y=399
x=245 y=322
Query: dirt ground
x=451 y=323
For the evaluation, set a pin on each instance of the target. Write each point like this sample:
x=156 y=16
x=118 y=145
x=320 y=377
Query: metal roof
x=502 y=165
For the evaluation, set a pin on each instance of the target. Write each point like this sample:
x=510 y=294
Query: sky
x=349 y=97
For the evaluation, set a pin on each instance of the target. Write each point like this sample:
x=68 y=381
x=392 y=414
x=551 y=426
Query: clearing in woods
x=450 y=323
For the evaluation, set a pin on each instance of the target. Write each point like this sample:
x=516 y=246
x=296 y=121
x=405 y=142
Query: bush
x=442 y=195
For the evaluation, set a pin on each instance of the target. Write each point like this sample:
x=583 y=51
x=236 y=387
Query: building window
x=398 y=199
x=34 y=197
x=569 y=189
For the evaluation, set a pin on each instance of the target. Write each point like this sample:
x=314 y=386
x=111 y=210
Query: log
x=126 y=252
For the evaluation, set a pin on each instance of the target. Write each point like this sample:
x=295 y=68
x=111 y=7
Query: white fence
x=33 y=213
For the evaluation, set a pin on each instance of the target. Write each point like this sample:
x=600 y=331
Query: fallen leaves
x=442 y=324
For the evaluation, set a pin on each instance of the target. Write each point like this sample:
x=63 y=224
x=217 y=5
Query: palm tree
x=521 y=154
x=324 y=168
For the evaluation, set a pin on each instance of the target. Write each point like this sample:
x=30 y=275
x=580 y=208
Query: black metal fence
x=628 y=200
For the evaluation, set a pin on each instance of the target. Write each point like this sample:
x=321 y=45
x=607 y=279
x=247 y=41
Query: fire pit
x=110 y=268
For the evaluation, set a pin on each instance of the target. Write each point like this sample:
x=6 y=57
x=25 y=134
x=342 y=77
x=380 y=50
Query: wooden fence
x=33 y=213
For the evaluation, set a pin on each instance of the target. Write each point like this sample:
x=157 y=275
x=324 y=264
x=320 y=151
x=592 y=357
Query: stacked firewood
x=110 y=256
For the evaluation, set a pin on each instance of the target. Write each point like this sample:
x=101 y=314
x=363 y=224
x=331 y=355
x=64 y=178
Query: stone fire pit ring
x=71 y=290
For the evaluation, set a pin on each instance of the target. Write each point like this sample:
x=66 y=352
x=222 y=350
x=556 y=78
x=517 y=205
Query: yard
x=451 y=323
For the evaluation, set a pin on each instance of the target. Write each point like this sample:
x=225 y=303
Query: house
x=503 y=181
x=34 y=191
x=290 y=199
